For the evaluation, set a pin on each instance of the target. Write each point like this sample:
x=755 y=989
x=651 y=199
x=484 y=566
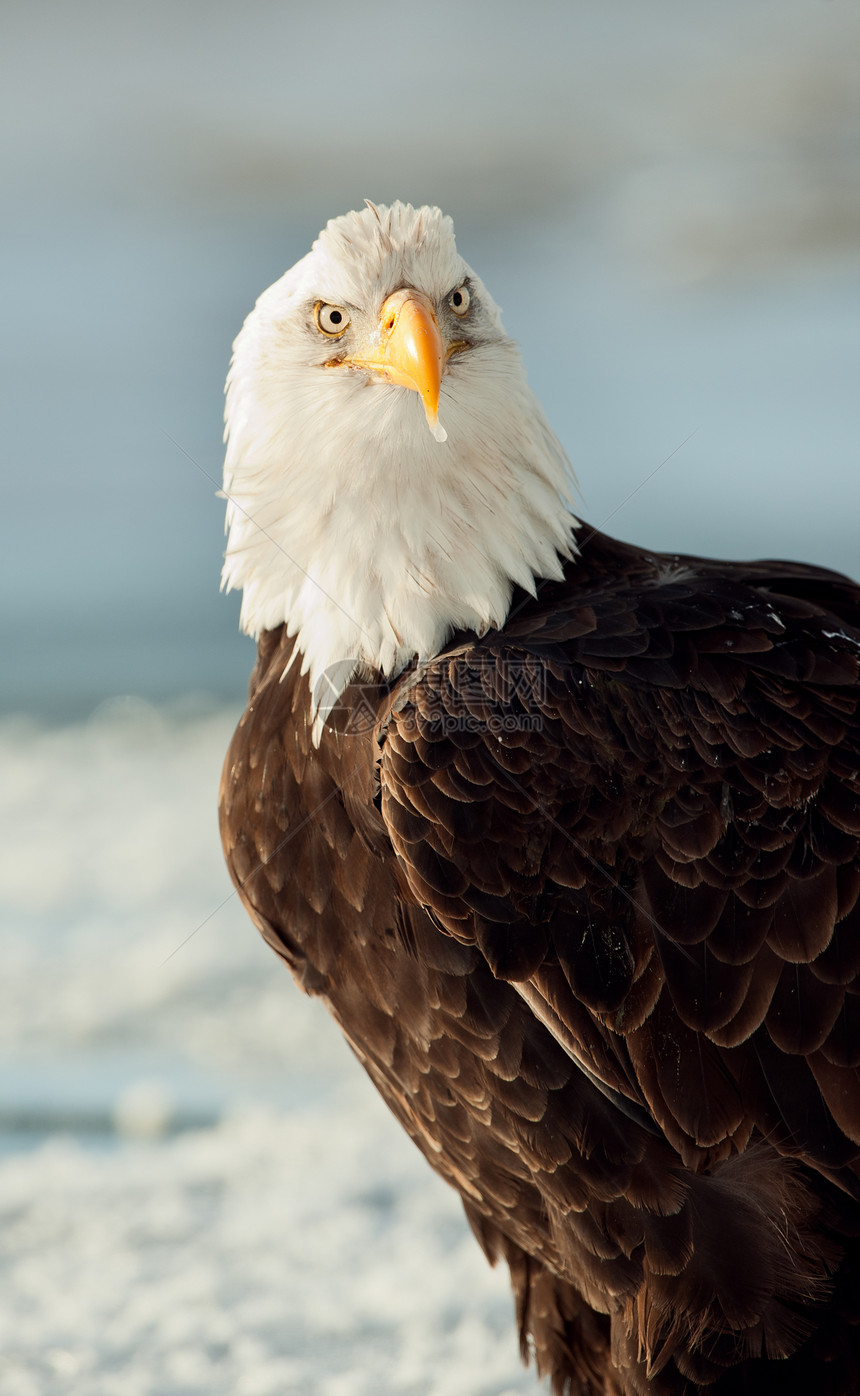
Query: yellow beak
x=408 y=349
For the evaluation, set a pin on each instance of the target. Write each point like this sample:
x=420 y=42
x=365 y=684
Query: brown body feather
x=584 y=896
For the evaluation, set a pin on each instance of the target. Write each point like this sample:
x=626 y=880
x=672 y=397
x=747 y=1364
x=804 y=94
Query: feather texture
x=604 y=980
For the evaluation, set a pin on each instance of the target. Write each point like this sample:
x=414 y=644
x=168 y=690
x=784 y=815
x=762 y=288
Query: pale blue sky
x=659 y=196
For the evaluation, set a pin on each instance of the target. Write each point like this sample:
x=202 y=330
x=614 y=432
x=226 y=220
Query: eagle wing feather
x=642 y=823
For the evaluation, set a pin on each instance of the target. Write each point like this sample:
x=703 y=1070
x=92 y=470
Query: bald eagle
x=565 y=833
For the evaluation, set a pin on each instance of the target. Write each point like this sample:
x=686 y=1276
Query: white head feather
x=347 y=520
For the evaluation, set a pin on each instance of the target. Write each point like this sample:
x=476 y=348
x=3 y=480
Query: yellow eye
x=331 y=319
x=459 y=300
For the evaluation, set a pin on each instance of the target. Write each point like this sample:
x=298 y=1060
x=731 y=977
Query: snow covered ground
x=200 y=1192
x=306 y=1253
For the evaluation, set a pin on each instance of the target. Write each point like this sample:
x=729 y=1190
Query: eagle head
x=389 y=474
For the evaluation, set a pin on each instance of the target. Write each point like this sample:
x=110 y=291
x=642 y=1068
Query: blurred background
x=200 y=1192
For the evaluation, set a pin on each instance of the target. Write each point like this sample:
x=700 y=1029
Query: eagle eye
x=459 y=300
x=331 y=320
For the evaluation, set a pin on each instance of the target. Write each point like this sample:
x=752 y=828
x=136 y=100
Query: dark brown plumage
x=584 y=896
